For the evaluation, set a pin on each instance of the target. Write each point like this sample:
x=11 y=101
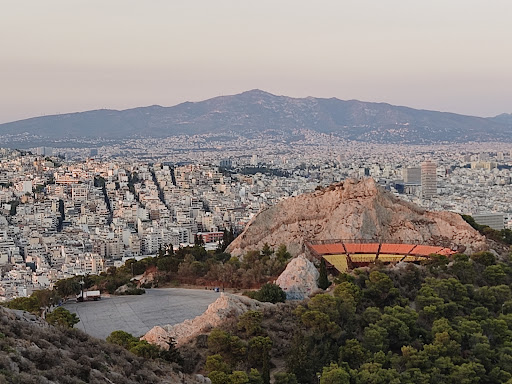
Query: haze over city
x=60 y=57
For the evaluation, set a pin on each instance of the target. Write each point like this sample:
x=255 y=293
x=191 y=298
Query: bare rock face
x=224 y=308
x=299 y=279
x=148 y=277
x=353 y=209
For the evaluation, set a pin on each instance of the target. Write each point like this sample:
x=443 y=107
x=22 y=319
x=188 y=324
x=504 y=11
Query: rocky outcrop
x=148 y=278
x=226 y=307
x=353 y=209
x=299 y=279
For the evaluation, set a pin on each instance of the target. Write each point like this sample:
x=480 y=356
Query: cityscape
x=266 y=192
x=67 y=212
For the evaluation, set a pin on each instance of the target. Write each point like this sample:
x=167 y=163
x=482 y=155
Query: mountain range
x=257 y=112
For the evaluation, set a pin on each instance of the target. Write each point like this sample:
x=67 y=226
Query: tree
x=171 y=354
x=375 y=338
x=231 y=235
x=352 y=353
x=37 y=301
x=250 y=322
x=494 y=274
x=326 y=304
x=165 y=264
x=299 y=361
x=323 y=281
x=374 y=373
x=250 y=258
x=282 y=254
x=218 y=341
x=227 y=238
x=463 y=269
x=218 y=377
x=62 y=317
x=333 y=374
x=259 y=349
x=143 y=349
x=198 y=240
x=467 y=373
x=216 y=363
x=231 y=348
x=68 y=287
x=266 y=251
x=122 y=338
x=238 y=377
x=285 y=378
x=484 y=258
x=380 y=288
x=271 y=293
x=254 y=377
x=348 y=291
x=62 y=216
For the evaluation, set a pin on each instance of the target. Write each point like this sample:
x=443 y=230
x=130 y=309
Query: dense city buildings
x=64 y=213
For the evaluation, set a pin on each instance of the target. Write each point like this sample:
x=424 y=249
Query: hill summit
x=354 y=210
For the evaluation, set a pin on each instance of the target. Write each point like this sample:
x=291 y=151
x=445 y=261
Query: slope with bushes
x=32 y=351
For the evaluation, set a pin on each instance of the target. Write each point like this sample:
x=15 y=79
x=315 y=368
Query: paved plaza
x=138 y=314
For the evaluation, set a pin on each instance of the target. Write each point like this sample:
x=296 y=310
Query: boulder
x=299 y=279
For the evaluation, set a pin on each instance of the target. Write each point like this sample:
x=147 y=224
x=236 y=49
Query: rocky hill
x=351 y=210
x=256 y=112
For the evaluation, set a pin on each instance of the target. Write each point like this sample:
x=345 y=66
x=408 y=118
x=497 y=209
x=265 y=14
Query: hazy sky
x=60 y=56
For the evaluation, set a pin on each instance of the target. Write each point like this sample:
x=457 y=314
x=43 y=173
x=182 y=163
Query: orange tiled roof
x=399 y=249
x=361 y=248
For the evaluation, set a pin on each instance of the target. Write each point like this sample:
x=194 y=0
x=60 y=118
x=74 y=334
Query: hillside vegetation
x=447 y=321
x=32 y=351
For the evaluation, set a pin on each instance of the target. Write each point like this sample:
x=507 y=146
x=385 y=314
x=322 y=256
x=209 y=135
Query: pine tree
x=323 y=281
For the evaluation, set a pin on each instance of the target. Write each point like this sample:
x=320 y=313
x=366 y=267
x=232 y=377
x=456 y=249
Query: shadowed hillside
x=32 y=351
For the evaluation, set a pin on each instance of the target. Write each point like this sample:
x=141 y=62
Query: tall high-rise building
x=412 y=175
x=428 y=179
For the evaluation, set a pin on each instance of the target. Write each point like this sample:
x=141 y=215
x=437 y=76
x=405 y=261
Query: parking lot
x=138 y=314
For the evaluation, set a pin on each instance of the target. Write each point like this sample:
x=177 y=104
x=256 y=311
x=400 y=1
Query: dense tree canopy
x=448 y=321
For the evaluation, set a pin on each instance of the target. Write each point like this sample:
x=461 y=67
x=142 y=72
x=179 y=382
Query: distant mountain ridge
x=255 y=112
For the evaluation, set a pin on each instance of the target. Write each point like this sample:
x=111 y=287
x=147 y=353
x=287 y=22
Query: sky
x=59 y=56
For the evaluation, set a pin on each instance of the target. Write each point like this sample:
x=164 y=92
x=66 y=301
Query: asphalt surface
x=138 y=314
